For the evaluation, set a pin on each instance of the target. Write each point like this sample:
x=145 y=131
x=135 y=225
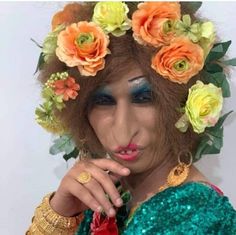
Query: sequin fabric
x=193 y=208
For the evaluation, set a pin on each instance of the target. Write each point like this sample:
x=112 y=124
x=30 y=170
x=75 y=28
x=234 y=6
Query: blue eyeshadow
x=143 y=87
x=102 y=96
x=141 y=92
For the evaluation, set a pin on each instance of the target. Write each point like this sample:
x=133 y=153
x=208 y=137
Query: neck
x=144 y=185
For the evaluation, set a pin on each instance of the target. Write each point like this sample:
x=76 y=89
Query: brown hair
x=169 y=96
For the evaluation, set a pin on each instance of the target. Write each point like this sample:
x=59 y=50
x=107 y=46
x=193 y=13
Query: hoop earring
x=180 y=172
x=83 y=154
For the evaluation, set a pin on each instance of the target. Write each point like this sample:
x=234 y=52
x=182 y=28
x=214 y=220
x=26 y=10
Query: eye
x=142 y=97
x=103 y=99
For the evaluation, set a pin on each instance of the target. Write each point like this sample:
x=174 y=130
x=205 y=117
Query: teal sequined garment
x=193 y=208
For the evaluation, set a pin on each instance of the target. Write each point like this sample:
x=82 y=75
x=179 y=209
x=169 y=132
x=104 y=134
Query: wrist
x=65 y=209
x=46 y=221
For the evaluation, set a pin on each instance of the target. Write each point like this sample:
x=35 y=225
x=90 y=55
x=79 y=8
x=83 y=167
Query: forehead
x=129 y=74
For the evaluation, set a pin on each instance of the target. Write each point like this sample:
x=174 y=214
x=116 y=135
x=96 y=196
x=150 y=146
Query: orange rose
x=83 y=45
x=66 y=16
x=153 y=22
x=179 y=61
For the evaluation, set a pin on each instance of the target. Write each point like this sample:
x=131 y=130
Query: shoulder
x=193 y=206
x=201 y=198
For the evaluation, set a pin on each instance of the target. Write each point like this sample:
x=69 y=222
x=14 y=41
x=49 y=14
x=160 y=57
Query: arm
x=62 y=211
x=48 y=222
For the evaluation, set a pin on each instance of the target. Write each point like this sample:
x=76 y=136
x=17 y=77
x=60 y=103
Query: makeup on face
x=128 y=153
x=139 y=92
x=103 y=96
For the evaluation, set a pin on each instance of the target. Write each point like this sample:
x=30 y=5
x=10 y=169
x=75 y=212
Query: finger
x=97 y=191
x=80 y=192
x=114 y=177
x=111 y=165
x=105 y=181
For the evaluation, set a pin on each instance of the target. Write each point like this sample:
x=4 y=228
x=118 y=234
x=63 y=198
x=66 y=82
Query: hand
x=72 y=197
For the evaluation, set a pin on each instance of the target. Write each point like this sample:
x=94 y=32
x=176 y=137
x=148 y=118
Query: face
x=124 y=119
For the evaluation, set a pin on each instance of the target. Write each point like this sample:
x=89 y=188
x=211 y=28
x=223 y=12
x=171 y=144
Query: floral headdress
x=184 y=48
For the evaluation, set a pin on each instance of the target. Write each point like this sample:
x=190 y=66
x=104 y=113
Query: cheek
x=148 y=119
x=100 y=122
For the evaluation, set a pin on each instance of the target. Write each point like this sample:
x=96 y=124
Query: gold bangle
x=47 y=222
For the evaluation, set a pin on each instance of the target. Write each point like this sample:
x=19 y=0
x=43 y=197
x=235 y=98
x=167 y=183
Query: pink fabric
x=215 y=188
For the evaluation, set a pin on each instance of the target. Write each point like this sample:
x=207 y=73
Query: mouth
x=129 y=153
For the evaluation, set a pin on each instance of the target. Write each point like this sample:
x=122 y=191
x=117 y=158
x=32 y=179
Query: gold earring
x=179 y=173
x=84 y=154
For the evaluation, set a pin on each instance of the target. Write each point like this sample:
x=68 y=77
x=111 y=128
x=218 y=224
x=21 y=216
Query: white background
x=27 y=171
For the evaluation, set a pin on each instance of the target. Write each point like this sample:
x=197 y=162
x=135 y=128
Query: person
x=132 y=84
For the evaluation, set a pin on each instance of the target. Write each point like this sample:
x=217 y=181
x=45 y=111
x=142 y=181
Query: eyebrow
x=136 y=78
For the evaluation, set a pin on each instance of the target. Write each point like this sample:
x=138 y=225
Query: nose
x=125 y=125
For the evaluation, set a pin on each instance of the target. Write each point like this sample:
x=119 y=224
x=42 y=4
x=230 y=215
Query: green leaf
x=191 y=7
x=217 y=48
x=62 y=144
x=213 y=68
x=222 y=119
x=212 y=141
x=216 y=136
x=36 y=43
x=219 y=80
x=211 y=149
x=226 y=89
x=202 y=147
x=230 y=62
x=209 y=145
x=73 y=154
x=40 y=63
x=218 y=51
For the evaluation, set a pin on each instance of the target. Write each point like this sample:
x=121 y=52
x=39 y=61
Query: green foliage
x=73 y=154
x=212 y=140
x=191 y=7
x=213 y=68
x=49 y=95
x=44 y=111
x=219 y=80
x=63 y=144
x=221 y=120
x=41 y=60
x=231 y=62
x=218 y=51
x=213 y=71
x=40 y=63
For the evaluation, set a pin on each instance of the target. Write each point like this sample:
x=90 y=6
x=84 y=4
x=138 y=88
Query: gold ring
x=84 y=177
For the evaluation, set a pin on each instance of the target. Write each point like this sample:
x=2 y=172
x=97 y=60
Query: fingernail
x=99 y=209
x=112 y=212
x=119 y=201
x=126 y=170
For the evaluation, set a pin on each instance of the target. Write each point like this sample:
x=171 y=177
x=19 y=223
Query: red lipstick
x=128 y=153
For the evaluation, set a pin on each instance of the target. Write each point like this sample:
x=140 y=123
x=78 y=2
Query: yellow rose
x=207 y=37
x=203 y=106
x=112 y=17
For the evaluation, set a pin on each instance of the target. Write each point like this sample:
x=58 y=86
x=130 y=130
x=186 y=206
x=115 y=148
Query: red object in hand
x=103 y=225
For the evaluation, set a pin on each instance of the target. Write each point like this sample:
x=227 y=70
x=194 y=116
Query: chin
x=136 y=167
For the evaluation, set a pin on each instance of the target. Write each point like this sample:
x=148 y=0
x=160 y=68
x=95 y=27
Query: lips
x=128 y=153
